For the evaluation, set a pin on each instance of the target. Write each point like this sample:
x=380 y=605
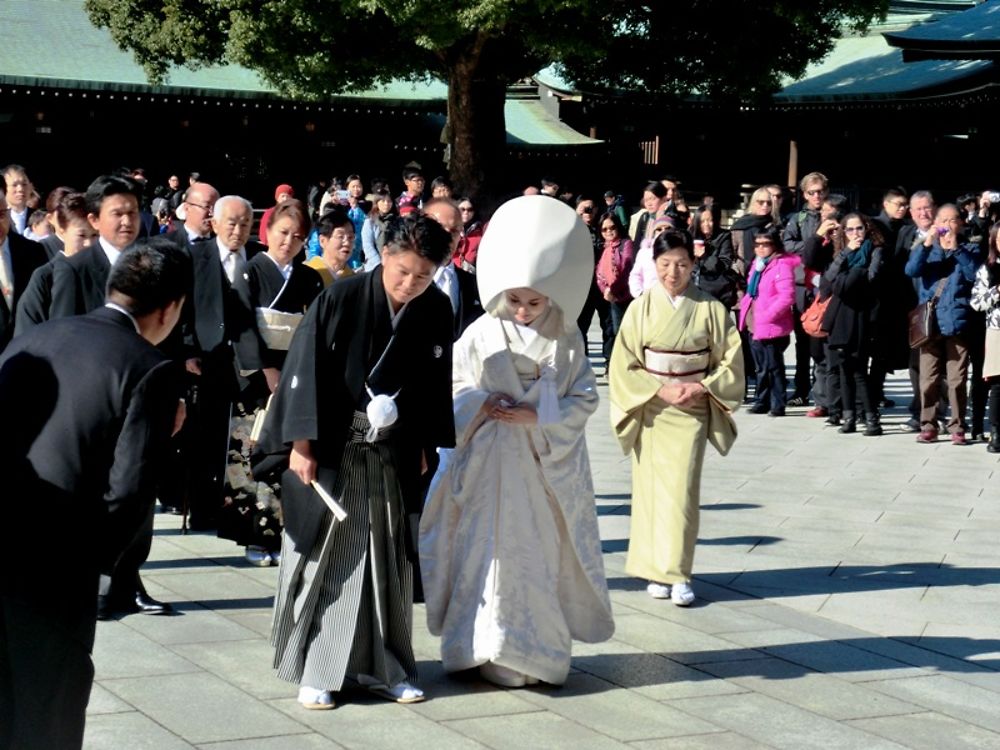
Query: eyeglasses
x=764 y=203
x=854 y=230
x=766 y=243
x=899 y=205
x=466 y=209
x=815 y=192
x=605 y=230
x=207 y=208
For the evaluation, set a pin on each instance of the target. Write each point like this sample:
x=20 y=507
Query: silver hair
x=221 y=204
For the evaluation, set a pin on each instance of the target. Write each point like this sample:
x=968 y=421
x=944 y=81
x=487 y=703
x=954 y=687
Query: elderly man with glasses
x=197 y=209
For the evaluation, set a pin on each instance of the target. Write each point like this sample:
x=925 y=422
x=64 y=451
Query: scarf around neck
x=754 y=284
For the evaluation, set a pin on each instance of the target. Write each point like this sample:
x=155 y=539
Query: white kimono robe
x=509 y=544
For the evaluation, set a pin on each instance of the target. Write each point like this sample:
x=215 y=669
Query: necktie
x=6 y=280
x=234 y=266
x=447 y=283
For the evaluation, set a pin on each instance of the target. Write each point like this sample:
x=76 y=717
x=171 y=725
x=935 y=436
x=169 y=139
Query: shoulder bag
x=923 y=324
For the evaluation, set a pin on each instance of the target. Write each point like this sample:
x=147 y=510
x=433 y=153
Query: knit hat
x=666 y=222
x=287 y=189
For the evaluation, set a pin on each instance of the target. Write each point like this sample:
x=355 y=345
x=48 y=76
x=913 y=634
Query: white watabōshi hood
x=538 y=242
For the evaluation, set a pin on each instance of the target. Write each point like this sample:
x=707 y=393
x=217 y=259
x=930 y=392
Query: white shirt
x=110 y=250
x=18 y=219
x=192 y=235
x=126 y=313
x=226 y=258
x=7 y=273
x=446 y=280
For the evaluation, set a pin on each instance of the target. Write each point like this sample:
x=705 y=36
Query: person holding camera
x=945 y=266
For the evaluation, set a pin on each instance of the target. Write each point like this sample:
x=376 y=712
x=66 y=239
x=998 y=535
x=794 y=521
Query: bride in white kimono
x=509 y=543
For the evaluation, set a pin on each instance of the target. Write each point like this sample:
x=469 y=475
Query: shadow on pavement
x=787 y=661
x=851 y=578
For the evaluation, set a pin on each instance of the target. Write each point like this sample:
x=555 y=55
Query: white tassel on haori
x=381 y=412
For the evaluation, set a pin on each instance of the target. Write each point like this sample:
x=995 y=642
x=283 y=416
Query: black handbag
x=923 y=324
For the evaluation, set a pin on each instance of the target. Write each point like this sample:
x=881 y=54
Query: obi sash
x=675 y=366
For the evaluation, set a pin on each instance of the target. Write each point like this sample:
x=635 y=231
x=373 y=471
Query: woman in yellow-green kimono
x=676 y=377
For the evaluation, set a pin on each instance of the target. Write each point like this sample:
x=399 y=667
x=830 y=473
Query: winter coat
x=929 y=265
x=714 y=272
x=850 y=317
x=613 y=269
x=772 y=308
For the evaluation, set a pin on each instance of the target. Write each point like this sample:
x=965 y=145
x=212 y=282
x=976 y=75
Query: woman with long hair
x=373 y=230
x=852 y=279
x=612 y=272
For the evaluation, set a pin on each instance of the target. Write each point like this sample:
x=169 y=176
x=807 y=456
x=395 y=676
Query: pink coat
x=773 y=308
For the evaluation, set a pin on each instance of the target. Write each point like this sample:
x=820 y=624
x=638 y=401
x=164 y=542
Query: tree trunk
x=476 y=133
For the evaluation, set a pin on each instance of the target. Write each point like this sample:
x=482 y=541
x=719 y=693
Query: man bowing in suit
x=95 y=404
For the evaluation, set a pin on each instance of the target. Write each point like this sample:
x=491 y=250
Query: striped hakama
x=344 y=609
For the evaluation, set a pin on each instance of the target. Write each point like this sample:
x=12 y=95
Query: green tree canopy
x=318 y=48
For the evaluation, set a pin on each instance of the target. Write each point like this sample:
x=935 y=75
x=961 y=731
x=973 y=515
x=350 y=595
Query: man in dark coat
x=78 y=287
x=20 y=258
x=80 y=470
x=459 y=285
x=219 y=340
x=382 y=336
x=895 y=297
x=922 y=209
x=78 y=284
x=199 y=203
x=800 y=225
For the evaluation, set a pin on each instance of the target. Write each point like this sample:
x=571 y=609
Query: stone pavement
x=849 y=597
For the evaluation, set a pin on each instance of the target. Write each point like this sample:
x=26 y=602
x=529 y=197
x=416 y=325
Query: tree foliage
x=318 y=48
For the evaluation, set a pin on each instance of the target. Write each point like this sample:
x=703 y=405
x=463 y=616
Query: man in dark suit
x=113 y=210
x=78 y=287
x=18 y=189
x=19 y=257
x=459 y=285
x=220 y=340
x=94 y=403
x=199 y=202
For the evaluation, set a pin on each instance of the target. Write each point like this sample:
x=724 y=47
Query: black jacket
x=94 y=404
x=25 y=257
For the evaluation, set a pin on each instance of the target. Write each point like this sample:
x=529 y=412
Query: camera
x=992 y=196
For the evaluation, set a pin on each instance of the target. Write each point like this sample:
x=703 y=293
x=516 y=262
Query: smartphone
x=993 y=196
x=342 y=195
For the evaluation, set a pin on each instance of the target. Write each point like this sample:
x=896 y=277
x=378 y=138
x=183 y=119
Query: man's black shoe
x=994 y=445
x=147 y=605
x=108 y=608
